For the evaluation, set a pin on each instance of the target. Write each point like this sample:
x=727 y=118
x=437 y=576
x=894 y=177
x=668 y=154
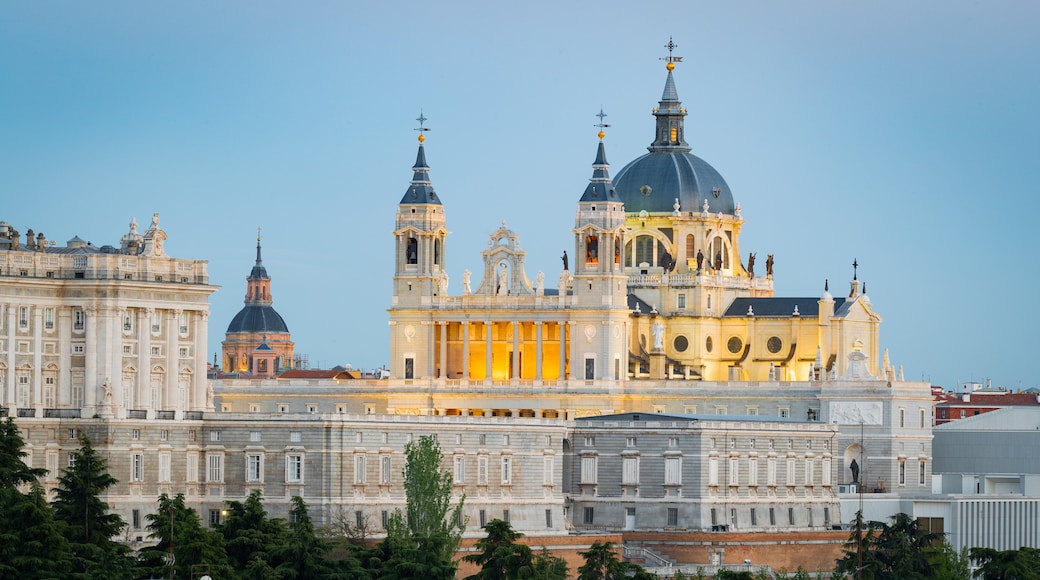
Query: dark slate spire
x=258 y=272
x=669 y=112
x=600 y=187
x=421 y=190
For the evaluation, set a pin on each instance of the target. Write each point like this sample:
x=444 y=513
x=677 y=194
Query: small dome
x=257 y=318
x=652 y=182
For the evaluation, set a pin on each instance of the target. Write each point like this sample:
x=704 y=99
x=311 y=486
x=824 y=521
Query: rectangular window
x=128 y=321
x=548 y=518
x=681 y=302
x=505 y=516
x=156 y=322
x=629 y=471
x=23 y=317
x=482 y=470
x=48 y=318
x=809 y=516
x=902 y=472
x=588 y=516
x=459 y=475
x=784 y=412
x=135 y=519
x=137 y=467
x=772 y=516
x=920 y=473
x=810 y=469
x=254 y=436
x=771 y=471
x=254 y=467
x=630 y=442
x=384 y=518
x=409 y=368
x=588 y=470
x=295 y=437
x=183 y=319
x=753 y=471
x=359 y=519
x=826 y=516
x=713 y=471
x=507 y=470
x=359 y=469
x=214 y=518
x=589 y=441
x=825 y=476
x=790 y=471
x=384 y=470
x=214 y=468
x=754 y=517
x=164 y=468
x=547 y=470
x=135 y=434
x=673 y=442
x=902 y=417
x=790 y=516
x=922 y=418
x=590 y=369
x=673 y=516
x=673 y=471
x=714 y=517
x=214 y=435
x=734 y=471
x=191 y=468
x=294 y=468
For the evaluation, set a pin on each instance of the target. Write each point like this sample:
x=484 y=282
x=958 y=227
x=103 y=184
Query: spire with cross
x=672 y=59
x=421 y=128
x=601 y=124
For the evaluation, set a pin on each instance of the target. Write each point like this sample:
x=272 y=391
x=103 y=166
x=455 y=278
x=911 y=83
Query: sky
x=903 y=135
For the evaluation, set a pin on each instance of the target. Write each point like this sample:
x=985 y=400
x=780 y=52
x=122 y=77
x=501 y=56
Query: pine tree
x=193 y=544
x=85 y=520
x=32 y=544
x=250 y=537
x=500 y=557
x=303 y=556
x=13 y=470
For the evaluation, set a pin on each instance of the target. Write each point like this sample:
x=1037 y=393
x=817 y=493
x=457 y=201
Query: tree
x=602 y=563
x=13 y=470
x=303 y=556
x=1020 y=564
x=251 y=538
x=85 y=520
x=545 y=566
x=31 y=544
x=899 y=550
x=500 y=557
x=423 y=540
x=176 y=524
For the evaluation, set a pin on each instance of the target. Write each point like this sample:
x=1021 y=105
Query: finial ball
x=421 y=137
x=602 y=134
x=670 y=66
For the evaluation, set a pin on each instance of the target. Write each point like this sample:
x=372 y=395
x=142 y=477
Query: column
x=444 y=350
x=538 y=350
x=563 y=350
x=465 y=350
x=489 y=328
x=90 y=379
x=113 y=358
x=430 y=335
x=516 y=351
x=200 y=384
x=37 y=394
x=144 y=358
x=12 y=346
x=64 y=316
x=171 y=402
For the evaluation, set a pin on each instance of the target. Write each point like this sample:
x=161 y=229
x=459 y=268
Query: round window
x=735 y=344
x=707 y=344
x=774 y=344
x=681 y=343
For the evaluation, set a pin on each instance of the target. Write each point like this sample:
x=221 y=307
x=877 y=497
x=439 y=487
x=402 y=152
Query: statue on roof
x=564 y=258
x=718 y=261
x=466 y=290
x=751 y=265
x=700 y=260
x=769 y=265
x=503 y=280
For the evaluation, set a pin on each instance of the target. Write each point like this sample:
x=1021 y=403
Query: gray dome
x=668 y=175
x=256 y=319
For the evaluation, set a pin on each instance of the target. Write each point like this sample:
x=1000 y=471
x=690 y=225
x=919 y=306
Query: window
x=734 y=471
x=254 y=436
x=359 y=469
x=920 y=473
x=505 y=516
x=254 y=467
x=902 y=417
x=164 y=435
x=48 y=318
x=826 y=516
x=135 y=519
x=720 y=410
x=902 y=472
x=713 y=471
x=753 y=471
x=128 y=321
x=164 y=467
x=384 y=518
x=825 y=476
x=681 y=303
x=482 y=516
x=810 y=469
x=588 y=516
x=72 y=434
x=784 y=412
x=137 y=467
x=790 y=471
x=295 y=437
x=754 y=517
x=191 y=468
x=458 y=439
x=548 y=518
x=630 y=471
x=294 y=468
x=481 y=439
x=341 y=409
x=135 y=434
x=673 y=471
x=547 y=470
x=922 y=418
x=809 y=516
x=590 y=441
x=772 y=516
x=183 y=319
x=673 y=516
x=225 y=407
x=78 y=320
x=23 y=317
x=482 y=470
x=214 y=435
x=312 y=409
x=630 y=442
x=384 y=470
x=156 y=321
x=507 y=470
x=460 y=470
x=673 y=442
x=214 y=468
x=790 y=516
x=283 y=408
x=588 y=470
x=359 y=519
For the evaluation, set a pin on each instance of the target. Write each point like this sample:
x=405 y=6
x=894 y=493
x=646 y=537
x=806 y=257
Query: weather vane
x=671 y=46
x=601 y=124
x=421 y=129
x=258 y=233
x=855 y=266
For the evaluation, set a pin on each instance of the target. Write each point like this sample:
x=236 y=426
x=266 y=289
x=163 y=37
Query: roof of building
x=1007 y=419
x=335 y=374
x=778 y=306
x=420 y=191
x=633 y=417
x=653 y=182
x=991 y=399
x=600 y=187
x=257 y=318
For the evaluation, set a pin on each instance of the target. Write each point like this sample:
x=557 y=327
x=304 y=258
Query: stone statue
x=564 y=258
x=466 y=290
x=539 y=282
x=751 y=265
x=443 y=283
x=700 y=260
x=769 y=265
x=718 y=260
x=155 y=220
x=106 y=391
x=658 y=331
x=855 y=471
x=667 y=262
x=209 y=396
x=503 y=280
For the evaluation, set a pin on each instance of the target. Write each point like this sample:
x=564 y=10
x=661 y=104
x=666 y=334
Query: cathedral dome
x=652 y=183
x=257 y=319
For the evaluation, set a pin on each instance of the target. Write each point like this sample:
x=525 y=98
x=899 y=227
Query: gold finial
x=601 y=124
x=422 y=119
x=671 y=46
x=258 y=234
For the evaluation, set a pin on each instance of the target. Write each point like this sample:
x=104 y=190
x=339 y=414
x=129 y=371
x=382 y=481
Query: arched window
x=691 y=249
x=719 y=254
x=617 y=250
x=645 y=250
x=412 y=251
x=591 y=249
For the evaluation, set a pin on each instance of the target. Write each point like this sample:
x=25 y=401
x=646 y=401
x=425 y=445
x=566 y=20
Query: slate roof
x=257 y=318
x=779 y=306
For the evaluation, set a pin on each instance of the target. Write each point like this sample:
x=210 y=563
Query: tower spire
x=669 y=113
x=421 y=189
x=600 y=187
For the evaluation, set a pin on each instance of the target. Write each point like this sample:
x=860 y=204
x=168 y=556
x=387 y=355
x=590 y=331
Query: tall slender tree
x=250 y=537
x=178 y=526
x=85 y=519
x=303 y=555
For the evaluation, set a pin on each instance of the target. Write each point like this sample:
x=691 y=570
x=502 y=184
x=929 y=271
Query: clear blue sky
x=902 y=134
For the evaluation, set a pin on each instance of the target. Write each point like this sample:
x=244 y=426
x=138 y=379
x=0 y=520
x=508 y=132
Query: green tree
x=31 y=544
x=175 y=523
x=500 y=557
x=13 y=470
x=602 y=563
x=423 y=540
x=251 y=538
x=897 y=550
x=85 y=520
x=303 y=555
x=545 y=566
x=1020 y=564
